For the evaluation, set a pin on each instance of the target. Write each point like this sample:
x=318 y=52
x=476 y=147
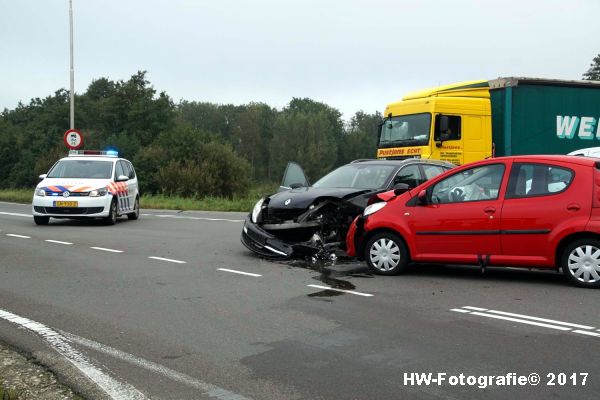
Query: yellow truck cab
x=470 y=121
x=461 y=128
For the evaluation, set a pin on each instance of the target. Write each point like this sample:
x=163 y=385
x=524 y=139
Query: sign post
x=73 y=139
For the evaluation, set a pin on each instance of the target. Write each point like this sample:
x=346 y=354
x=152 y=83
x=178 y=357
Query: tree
x=593 y=74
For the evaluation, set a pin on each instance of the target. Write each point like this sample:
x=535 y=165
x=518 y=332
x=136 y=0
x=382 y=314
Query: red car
x=521 y=211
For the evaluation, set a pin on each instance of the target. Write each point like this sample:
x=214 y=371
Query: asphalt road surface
x=172 y=306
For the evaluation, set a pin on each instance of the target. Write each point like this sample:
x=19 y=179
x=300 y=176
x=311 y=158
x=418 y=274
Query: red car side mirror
x=422 y=198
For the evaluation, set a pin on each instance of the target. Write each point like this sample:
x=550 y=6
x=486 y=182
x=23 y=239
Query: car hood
x=302 y=198
x=60 y=185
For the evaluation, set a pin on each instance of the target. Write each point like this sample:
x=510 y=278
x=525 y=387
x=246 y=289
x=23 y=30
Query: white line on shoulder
x=15 y=214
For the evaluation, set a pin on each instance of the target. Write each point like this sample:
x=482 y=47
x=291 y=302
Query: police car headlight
x=257 y=209
x=98 y=192
x=373 y=208
x=40 y=192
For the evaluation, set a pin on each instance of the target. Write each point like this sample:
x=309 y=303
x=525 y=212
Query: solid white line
x=18 y=236
x=208 y=388
x=113 y=388
x=15 y=214
x=109 y=250
x=238 y=272
x=552 y=321
x=198 y=218
x=460 y=310
x=587 y=333
x=168 y=260
x=341 y=290
x=56 y=241
x=475 y=308
x=522 y=321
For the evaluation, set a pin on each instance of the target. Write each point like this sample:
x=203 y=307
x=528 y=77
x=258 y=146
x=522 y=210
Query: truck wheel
x=136 y=210
x=386 y=254
x=112 y=214
x=41 y=220
x=580 y=262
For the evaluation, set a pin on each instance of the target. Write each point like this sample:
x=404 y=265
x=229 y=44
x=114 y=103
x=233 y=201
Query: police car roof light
x=109 y=153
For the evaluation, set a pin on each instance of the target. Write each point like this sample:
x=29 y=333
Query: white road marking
x=56 y=241
x=341 y=290
x=208 y=388
x=522 y=321
x=460 y=310
x=552 y=321
x=15 y=214
x=233 y=271
x=168 y=260
x=475 y=308
x=197 y=218
x=113 y=388
x=18 y=236
x=587 y=333
x=109 y=250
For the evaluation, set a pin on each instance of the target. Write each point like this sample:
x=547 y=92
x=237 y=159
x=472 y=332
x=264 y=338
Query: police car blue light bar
x=107 y=153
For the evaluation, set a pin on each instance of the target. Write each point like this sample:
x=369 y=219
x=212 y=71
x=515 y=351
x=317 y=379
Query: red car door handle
x=489 y=210
x=573 y=207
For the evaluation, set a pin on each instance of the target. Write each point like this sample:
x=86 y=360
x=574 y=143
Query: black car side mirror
x=296 y=185
x=400 y=188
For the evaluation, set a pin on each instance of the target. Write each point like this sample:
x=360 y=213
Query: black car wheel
x=112 y=214
x=580 y=262
x=386 y=254
x=136 y=210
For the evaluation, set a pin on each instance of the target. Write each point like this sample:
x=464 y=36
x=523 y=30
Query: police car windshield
x=89 y=169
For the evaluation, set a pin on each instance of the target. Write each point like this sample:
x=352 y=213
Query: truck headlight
x=98 y=192
x=257 y=209
x=373 y=208
x=40 y=192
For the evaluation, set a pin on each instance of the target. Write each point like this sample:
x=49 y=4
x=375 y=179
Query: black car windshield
x=405 y=130
x=357 y=176
x=90 y=169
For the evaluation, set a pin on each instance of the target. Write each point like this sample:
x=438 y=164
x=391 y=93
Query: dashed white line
x=460 y=310
x=113 y=388
x=475 y=308
x=341 y=290
x=552 y=321
x=15 y=214
x=109 y=250
x=18 y=236
x=168 y=260
x=57 y=241
x=587 y=333
x=233 y=271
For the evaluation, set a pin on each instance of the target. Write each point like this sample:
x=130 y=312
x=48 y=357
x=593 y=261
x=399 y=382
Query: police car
x=87 y=184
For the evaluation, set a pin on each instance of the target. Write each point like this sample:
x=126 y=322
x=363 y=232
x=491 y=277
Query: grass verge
x=159 y=201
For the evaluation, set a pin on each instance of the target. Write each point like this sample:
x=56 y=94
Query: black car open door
x=293 y=177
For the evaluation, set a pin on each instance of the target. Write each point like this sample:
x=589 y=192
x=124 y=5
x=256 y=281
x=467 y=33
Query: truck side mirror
x=442 y=127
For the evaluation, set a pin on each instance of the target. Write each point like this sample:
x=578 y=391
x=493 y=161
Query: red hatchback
x=522 y=211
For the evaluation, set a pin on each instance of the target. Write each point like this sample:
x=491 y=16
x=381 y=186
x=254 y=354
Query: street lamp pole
x=72 y=91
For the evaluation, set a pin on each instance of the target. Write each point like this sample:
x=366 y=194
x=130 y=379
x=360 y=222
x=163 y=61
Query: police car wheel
x=112 y=214
x=136 y=210
x=41 y=220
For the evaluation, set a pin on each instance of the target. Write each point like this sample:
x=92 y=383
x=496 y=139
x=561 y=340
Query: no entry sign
x=73 y=139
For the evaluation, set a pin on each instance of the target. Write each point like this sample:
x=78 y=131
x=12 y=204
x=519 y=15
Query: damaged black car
x=307 y=221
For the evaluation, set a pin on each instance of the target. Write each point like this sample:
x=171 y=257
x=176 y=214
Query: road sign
x=73 y=139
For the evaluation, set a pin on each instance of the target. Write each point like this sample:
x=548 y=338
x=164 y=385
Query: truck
x=475 y=120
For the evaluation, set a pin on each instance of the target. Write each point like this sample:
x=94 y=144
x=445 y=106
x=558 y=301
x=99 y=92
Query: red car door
x=542 y=199
x=461 y=221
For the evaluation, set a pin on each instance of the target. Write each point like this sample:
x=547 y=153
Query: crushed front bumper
x=263 y=243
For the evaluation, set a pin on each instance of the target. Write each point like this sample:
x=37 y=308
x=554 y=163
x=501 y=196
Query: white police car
x=87 y=184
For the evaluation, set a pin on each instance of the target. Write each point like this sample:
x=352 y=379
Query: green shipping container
x=544 y=116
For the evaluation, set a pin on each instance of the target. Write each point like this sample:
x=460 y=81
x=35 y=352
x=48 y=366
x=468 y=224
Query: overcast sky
x=349 y=54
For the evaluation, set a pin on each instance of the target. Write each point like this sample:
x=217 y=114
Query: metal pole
x=72 y=91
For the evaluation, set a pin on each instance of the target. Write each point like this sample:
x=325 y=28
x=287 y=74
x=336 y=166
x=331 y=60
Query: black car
x=303 y=220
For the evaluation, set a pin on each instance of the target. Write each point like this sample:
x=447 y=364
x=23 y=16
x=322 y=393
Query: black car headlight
x=257 y=209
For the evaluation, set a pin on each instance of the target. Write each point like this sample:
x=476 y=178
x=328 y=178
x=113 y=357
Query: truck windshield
x=405 y=130
x=81 y=169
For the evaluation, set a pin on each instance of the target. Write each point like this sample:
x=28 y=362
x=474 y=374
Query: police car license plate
x=66 y=204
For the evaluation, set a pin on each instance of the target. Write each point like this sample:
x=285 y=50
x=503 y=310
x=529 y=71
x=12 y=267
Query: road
x=172 y=306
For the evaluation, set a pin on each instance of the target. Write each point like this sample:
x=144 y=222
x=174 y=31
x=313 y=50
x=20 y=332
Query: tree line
x=191 y=149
